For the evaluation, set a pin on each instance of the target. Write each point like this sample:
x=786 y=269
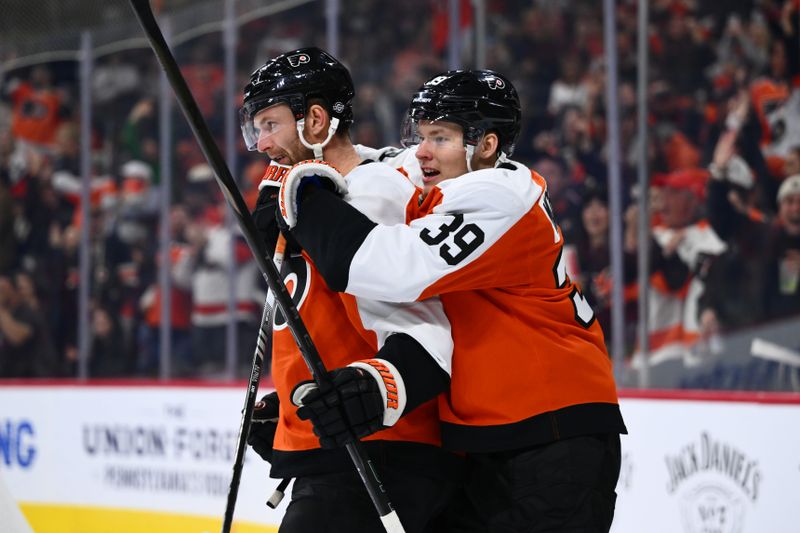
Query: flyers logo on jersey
x=495 y=83
x=298 y=284
x=298 y=59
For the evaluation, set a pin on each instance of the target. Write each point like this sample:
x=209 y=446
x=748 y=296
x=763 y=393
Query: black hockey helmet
x=293 y=78
x=477 y=100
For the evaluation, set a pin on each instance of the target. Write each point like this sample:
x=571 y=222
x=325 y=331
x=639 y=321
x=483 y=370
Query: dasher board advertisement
x=118 y=458
x=124 y=458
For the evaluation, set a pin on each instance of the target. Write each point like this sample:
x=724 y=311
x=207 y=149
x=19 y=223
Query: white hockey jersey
x=402 y=159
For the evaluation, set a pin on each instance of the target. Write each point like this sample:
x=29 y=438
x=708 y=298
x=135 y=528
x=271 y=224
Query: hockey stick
x=366 y=471
x=277 y=495
x=263 y=347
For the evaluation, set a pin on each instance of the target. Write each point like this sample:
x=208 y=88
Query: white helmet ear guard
x=470 y=149
x=317 y=147
x=501 y=158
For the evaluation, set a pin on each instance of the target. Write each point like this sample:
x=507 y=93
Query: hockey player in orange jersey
x=297 y=107
x=532 y=399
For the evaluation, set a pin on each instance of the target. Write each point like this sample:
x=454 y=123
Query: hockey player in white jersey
x=532 y=400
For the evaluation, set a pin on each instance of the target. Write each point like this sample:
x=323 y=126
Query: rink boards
x=132 y=458
x=94 y=459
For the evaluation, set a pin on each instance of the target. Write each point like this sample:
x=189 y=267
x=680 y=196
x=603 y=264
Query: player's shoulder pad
x=379 y=179
x=510 y=188
x=399 y=158
x=380 y=192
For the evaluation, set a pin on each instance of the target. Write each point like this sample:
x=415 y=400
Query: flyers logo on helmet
x=298 y=59
x=495 y=83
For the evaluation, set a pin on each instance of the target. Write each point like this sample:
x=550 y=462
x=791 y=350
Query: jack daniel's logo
x=715 y=479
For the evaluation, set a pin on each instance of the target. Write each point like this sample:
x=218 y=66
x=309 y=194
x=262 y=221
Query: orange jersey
x=529 y=364
x=346 y=329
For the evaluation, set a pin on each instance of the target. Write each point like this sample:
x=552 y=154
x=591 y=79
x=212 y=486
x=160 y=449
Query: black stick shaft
x=229 y=187
x=144 y=14
x=263 y=346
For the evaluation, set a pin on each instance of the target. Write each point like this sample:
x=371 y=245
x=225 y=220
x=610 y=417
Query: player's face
x=440 y=152
x=277 y=135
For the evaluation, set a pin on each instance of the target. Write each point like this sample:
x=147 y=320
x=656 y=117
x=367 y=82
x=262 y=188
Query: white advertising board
x=689 y=466
x=709 y=467
x=166 y=449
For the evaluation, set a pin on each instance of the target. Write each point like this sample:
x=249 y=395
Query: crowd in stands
x=723 y=151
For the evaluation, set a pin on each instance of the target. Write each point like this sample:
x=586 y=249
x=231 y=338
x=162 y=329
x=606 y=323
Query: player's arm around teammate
x=532 y=399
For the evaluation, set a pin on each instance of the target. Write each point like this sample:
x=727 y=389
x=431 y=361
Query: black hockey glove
x=365 y=397
x=263 y=425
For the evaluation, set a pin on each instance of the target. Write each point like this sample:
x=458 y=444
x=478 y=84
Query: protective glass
x=255 y=127
x=438 y=134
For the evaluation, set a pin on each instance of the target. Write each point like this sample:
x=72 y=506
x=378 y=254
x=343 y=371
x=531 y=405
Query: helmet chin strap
x=470 y=151
x=317 y=148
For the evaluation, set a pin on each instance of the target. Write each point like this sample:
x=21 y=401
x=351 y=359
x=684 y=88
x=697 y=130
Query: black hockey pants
x=339 y=503
x=566 y=486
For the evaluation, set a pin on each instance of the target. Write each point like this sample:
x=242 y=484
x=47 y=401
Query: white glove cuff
x=391 y=385
x=300 y=392
x=288 y=195
x=274 y=176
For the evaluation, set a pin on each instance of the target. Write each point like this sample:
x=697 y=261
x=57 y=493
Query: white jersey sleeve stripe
x=381 y=193
x=398 y=262
x=425 y=321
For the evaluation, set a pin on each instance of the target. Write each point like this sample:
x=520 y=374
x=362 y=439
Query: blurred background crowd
x=723 y=158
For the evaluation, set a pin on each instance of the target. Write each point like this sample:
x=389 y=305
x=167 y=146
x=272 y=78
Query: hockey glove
x=311 y=172
x=264 y=213
x=365 y=397
x=263 y=425
x=274 y=176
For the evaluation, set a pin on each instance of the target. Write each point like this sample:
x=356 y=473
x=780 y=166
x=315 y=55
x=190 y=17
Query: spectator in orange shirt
x=38 y=108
